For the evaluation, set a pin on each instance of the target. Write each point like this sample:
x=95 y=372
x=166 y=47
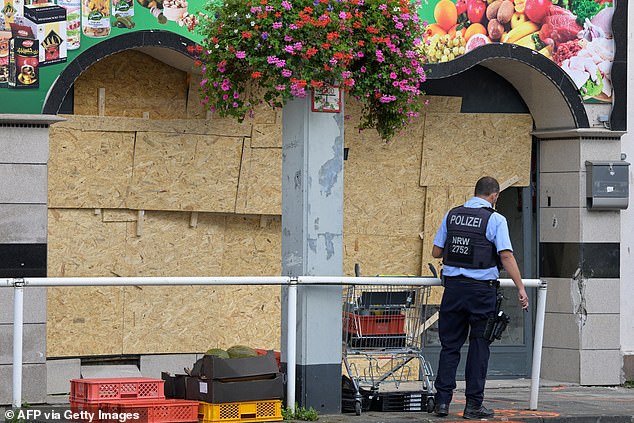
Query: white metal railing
x=292 y=283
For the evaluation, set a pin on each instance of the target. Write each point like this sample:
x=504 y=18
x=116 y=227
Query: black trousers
x=465 y=307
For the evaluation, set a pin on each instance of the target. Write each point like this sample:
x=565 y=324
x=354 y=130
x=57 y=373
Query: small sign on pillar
x=326 y=99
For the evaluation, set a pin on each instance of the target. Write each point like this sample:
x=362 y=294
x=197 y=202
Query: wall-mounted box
x=607 y=185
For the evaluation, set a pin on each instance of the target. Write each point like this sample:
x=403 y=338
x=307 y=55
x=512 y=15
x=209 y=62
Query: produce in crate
x=241 y=351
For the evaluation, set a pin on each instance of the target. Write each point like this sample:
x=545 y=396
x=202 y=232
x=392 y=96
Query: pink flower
x=393 y=75
x=277 y=25
x=342 y=15
x=280 y=87
x=241 y=54
x=286 y=73
x=287 y=5
x=226 y=85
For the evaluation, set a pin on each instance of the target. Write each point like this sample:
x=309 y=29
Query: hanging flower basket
x=273 y=50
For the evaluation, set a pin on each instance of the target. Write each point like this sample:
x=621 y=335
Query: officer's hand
x=523 y=299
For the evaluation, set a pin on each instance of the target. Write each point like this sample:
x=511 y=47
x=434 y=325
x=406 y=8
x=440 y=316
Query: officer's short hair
x=486 y=186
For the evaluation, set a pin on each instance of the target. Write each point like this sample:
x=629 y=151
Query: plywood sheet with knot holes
x=197 y=318
x=89 y=169
x=253 y=246
x=185 y=172
x=169 y=246
x=379 y=254
x=260 y=187
x=124 y=75
x=459 y=148
x=382 y=194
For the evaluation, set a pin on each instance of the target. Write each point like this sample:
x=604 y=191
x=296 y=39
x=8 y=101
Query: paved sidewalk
x=557 y=403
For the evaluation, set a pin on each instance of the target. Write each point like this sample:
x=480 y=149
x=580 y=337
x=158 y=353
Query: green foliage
x=272 y=51
x=629 y=384
x=300 y=413
x=585 y=9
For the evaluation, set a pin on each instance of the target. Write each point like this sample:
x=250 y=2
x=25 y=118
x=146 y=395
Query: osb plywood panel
x=185 y=172
x=84 y=321
x=378 y=254
x=119 y=215
x=80 y=319
x=382 y=194
x=124 y=75
x=262 y=113
x=429 y=104
x=80 y=244
x=441 y=104
x=260 y=187
x=220 y=127
x=169 y=246
x=89 y=169
x=452 y=140
x=196 y=318
x=267 y=135
x=195 y=108
x=253 y=246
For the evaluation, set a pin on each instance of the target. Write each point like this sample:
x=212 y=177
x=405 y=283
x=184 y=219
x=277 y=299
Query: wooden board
x=260 y=186
x=89 y=169
x=453 y=140
x=185 y=172
x=123 y=76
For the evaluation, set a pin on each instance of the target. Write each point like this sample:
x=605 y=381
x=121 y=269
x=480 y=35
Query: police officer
x=473 y=241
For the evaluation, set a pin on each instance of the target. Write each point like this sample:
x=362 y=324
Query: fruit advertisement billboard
x=38 y=40
x=575 y=34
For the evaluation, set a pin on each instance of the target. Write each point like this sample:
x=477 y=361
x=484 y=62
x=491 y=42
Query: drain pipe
x=538 y=342
x=18 y=323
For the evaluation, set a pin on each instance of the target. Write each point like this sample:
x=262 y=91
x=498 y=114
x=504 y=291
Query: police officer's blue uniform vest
x=466 y=244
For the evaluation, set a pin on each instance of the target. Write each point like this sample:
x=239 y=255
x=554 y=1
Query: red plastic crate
x=386 y=324
x=138 y=411
x=105 y=389
x=159 y=411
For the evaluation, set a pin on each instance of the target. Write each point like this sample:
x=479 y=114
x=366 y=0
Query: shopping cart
x=383 y=350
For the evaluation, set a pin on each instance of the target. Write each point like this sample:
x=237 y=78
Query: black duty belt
x=493 y=283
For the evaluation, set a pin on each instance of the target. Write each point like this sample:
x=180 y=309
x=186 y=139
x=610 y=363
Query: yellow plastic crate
x=244 y=412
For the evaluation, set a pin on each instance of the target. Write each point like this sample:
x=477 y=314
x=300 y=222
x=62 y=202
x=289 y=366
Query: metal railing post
x=537 y=344
x=18 y=323
x=291 y=343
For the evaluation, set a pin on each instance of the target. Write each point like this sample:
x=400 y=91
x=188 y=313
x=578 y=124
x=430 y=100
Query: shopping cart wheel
x=357 y=407
x=431 y=403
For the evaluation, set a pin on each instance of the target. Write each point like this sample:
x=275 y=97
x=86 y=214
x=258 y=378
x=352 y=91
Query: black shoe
x=477 y=412
x=441 y=410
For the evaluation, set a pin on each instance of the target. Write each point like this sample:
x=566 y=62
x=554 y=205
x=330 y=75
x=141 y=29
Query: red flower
x=311 y=51
x=372 y=30
x=246 y=34
x=198 y=63
x=316 y=84
x=256 y=75
x=190 y=49
x=325 y=46
x=332 y=35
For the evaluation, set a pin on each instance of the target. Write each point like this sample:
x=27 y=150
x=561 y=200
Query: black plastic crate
x=399 y=401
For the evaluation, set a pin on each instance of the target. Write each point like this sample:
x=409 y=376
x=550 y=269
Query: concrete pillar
x=312 y=244
x=579 y=253
x=23 y=234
